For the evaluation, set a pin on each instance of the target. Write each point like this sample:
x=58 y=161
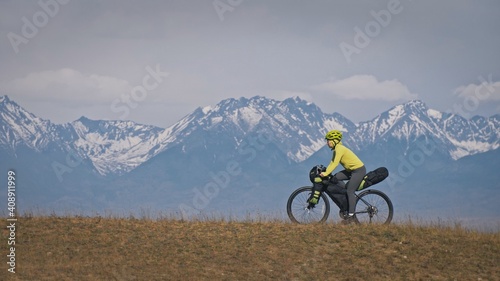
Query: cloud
x=67 y=85
x=486 y=91
x=366 y=87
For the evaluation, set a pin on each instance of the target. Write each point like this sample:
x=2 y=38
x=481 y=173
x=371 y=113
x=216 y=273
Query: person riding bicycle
x=354 y=171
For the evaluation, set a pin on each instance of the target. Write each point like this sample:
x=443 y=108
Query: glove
x=315 y=198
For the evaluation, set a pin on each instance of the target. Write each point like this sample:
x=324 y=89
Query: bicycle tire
x=373 y=207
x=297 y=210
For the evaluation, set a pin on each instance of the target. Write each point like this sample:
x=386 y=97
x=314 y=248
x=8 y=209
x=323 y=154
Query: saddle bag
x=374 y=177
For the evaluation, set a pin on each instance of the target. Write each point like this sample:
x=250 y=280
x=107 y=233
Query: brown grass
x=77 y=248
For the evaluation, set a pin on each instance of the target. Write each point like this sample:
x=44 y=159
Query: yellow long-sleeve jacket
x=345 y=157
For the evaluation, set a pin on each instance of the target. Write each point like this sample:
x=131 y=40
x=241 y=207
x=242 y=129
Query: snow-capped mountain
x=470 y=137
x=20 y=127
x=457 y=136
x=120 y=146
x=111 y=146
x=256 y=150
x=116 y=146
x=295 y=126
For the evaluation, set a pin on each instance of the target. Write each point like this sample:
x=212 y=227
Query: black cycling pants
x=355 y=178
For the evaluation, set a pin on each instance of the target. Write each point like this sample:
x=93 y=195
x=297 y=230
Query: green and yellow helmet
x=334 y=135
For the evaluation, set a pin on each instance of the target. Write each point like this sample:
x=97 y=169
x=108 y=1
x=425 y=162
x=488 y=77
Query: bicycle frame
x=339 y=205
x=372 y=205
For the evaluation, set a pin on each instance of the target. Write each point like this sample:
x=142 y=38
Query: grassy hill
x=78 y=248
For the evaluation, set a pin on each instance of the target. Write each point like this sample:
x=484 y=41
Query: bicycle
x=372 y=206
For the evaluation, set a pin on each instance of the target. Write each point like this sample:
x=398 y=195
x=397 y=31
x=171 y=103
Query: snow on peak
x=251 y=116
x=415 y=104
x=299 y=126
x=5 y=99
x=434 y=114
x=206 y=109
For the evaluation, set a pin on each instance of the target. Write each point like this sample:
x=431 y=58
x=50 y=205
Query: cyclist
x=354 y=171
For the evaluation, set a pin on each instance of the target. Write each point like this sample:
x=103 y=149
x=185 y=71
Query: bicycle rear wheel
x=298 y=211
x=373 y=207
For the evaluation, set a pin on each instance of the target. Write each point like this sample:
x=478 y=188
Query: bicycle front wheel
x=298 y=211
x=373 y=206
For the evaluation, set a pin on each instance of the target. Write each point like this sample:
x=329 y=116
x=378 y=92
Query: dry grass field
x=79 y=248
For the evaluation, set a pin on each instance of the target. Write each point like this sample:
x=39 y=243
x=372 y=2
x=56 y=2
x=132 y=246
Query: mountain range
x=228 y=157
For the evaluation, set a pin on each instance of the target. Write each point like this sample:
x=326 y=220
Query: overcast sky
x=153 y=62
